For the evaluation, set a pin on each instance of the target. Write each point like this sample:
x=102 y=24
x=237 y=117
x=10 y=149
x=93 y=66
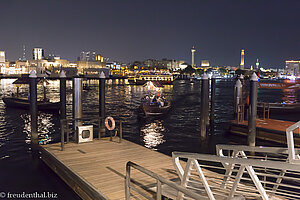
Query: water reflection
x=289 y=96
x=45 y=127
x=152 y=134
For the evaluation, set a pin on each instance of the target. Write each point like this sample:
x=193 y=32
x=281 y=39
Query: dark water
x=179 y=130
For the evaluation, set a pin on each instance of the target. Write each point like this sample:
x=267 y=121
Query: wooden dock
x=96 y=170
x=267 y=129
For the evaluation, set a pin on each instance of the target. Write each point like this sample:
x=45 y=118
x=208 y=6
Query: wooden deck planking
x=102 y=164
x=103 y=167
x=267 y=129
x=272 y=124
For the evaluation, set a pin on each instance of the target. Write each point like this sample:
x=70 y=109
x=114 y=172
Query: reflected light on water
x=289 y=96
x=45 y=127
x=152 y=134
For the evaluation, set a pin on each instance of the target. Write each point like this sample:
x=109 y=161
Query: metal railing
x=159 y=182
x=293 y=153
x=251 y=178
x=240 y=112
x=265 y=109
x=67 y=126
x=236 y=171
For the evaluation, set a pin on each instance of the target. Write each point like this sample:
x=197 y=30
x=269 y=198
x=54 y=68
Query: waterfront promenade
x=97 y=169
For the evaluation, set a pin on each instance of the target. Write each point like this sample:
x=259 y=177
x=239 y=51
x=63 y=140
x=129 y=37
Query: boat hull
x=281 y=108
x=154 y=109
x=25 y=104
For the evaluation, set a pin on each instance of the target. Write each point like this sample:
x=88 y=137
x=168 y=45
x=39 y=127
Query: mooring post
x=62 y=95
x=252 y=110
x=77 y=103
x=238 y=95
x=212 y=101
x=33 y=107
x=101 y=104
x=242 y=79
x=204 y=105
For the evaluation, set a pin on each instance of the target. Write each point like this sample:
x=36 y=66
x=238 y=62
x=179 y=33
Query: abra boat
x=23 y=103
x=282 y=108
x=155 y=108
x=154 y=104
x=280 y=85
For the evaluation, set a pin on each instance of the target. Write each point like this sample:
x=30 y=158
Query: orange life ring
x=113 y=124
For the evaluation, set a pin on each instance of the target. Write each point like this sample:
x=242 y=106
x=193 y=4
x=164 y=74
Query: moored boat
x=279 y=85
x=282 y=108
x=24 y=103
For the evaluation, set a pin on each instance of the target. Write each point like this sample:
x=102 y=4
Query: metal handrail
x=272 y=172
x=159 y=181
x=293 y=155
x=259 y=149
x=240 y=112
x=64 y=130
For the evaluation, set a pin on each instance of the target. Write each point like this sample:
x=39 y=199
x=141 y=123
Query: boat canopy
x=279 y=85
x=25 y=80
x=153 y=83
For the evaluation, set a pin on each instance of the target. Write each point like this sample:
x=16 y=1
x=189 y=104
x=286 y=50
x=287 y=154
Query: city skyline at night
x=138 y=30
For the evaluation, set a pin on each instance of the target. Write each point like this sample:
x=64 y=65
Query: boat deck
x=267 y=129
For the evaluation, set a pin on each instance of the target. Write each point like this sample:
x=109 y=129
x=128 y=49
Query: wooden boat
x=153 y=104
x=23 y=103
x=282 y=108
x=266 y=129
x=281 y=85
x=155 y=108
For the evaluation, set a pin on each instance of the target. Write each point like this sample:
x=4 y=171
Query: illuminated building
x=193 y=50
x=2 y=56
x=205 y=63
x=183 y=65
x=99 y=58
x=292 y=67
x=87 y=56
x=90 y=67
x=242 y=65
x=38 y=54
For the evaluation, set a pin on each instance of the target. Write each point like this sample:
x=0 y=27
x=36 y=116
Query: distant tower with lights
x=24 y=53
x=257 y=64
x=242 y=65
x=193 y=56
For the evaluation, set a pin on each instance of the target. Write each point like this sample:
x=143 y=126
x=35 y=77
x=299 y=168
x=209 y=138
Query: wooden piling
x=212 y=101
x=252 y=110
x=238 y=96
x=77 y=103
x=33 y=107
x=101 y=104
x=204 y=106
x=62 y=95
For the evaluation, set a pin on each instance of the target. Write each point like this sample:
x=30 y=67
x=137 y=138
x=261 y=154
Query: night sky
x=129 y=30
